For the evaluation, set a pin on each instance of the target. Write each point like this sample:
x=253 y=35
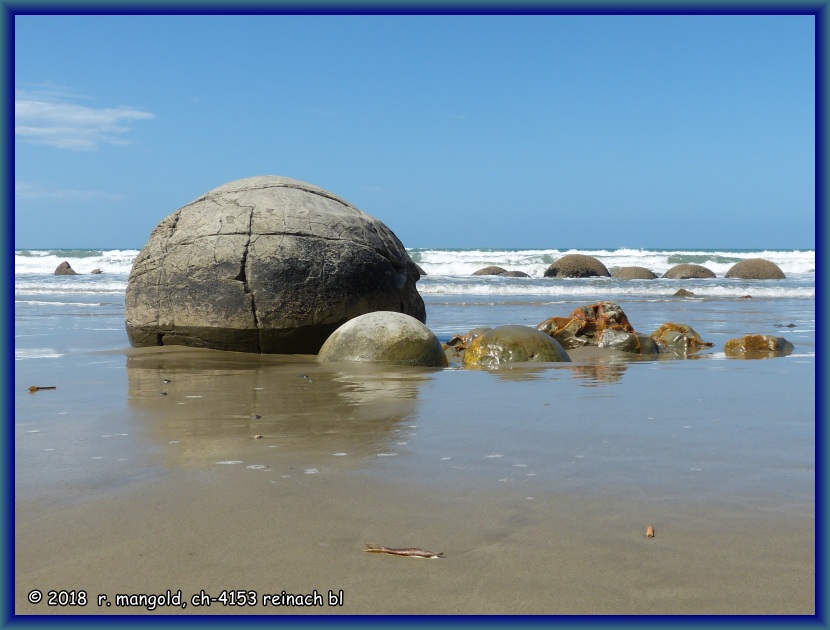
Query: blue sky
x=552 y=131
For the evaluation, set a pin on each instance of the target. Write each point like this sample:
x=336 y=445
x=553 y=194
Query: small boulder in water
x=626 y=342
x=513 y=344
x=679 y=339
x=757 y=347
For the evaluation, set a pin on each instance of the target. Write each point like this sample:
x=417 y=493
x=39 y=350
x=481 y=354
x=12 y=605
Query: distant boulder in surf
x=757 y=347
x=384 y=337
x=755 y=269
x=688 y=270
x=265 y=264
x=515 y=274
x=634 y=273
x=513 y=344
x=64 y=269
x=576 y=266
x=683 y=293
x=492 y=270
x=96 y=271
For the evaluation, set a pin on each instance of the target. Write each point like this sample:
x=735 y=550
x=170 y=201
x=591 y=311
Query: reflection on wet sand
x=214 y=404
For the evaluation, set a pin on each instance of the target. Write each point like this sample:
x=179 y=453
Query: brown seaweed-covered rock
x=689 y=270
x=679 y=339
x=64 y=269
x=462 y=341
x=755 y=269
x=576 y=266
x=265 y=264
x=757 y=347
x=513 y=344
x=626 y=341
x=384 y=337
x=578 y=328
x=634 y=273
x=492 y=270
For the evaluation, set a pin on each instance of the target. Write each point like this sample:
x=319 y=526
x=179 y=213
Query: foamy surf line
x=607 y=288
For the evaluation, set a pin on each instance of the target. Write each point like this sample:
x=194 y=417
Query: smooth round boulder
x=634 y=273
x=688 y=270
x=513 y=344
x=265 y=264
x=384 y=337
x=576 y=266
x=755 y=269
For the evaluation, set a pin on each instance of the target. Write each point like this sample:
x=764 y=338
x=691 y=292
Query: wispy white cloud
x=26 y=190
x=43 y=118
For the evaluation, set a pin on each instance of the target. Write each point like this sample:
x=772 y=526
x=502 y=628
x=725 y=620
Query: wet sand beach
x=142 y=472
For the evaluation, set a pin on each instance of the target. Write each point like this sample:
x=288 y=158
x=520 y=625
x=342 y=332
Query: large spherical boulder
x=755 y=269
x=576 y=266
x=265 y=264
x=384 y=337
x=634 y=273
x=512 y=344
x=688 y=270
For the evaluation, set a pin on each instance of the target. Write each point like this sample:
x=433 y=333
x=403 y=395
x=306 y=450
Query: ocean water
x=457 y=301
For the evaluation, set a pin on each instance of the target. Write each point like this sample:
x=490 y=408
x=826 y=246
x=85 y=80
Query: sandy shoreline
x=380 y=456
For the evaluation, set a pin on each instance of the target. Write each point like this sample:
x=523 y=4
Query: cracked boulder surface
x=268 y=265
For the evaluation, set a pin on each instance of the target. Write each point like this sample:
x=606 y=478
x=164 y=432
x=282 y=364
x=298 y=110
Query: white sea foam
x=36 y=353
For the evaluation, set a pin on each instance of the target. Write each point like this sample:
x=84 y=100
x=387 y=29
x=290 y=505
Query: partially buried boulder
x=755 y=269
x=64 y=269
x=576 y=266
x=492 y=270
x=265 y=264
x=634 y=273
x=688 y=270
x=384 y=337
x=513 y=344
